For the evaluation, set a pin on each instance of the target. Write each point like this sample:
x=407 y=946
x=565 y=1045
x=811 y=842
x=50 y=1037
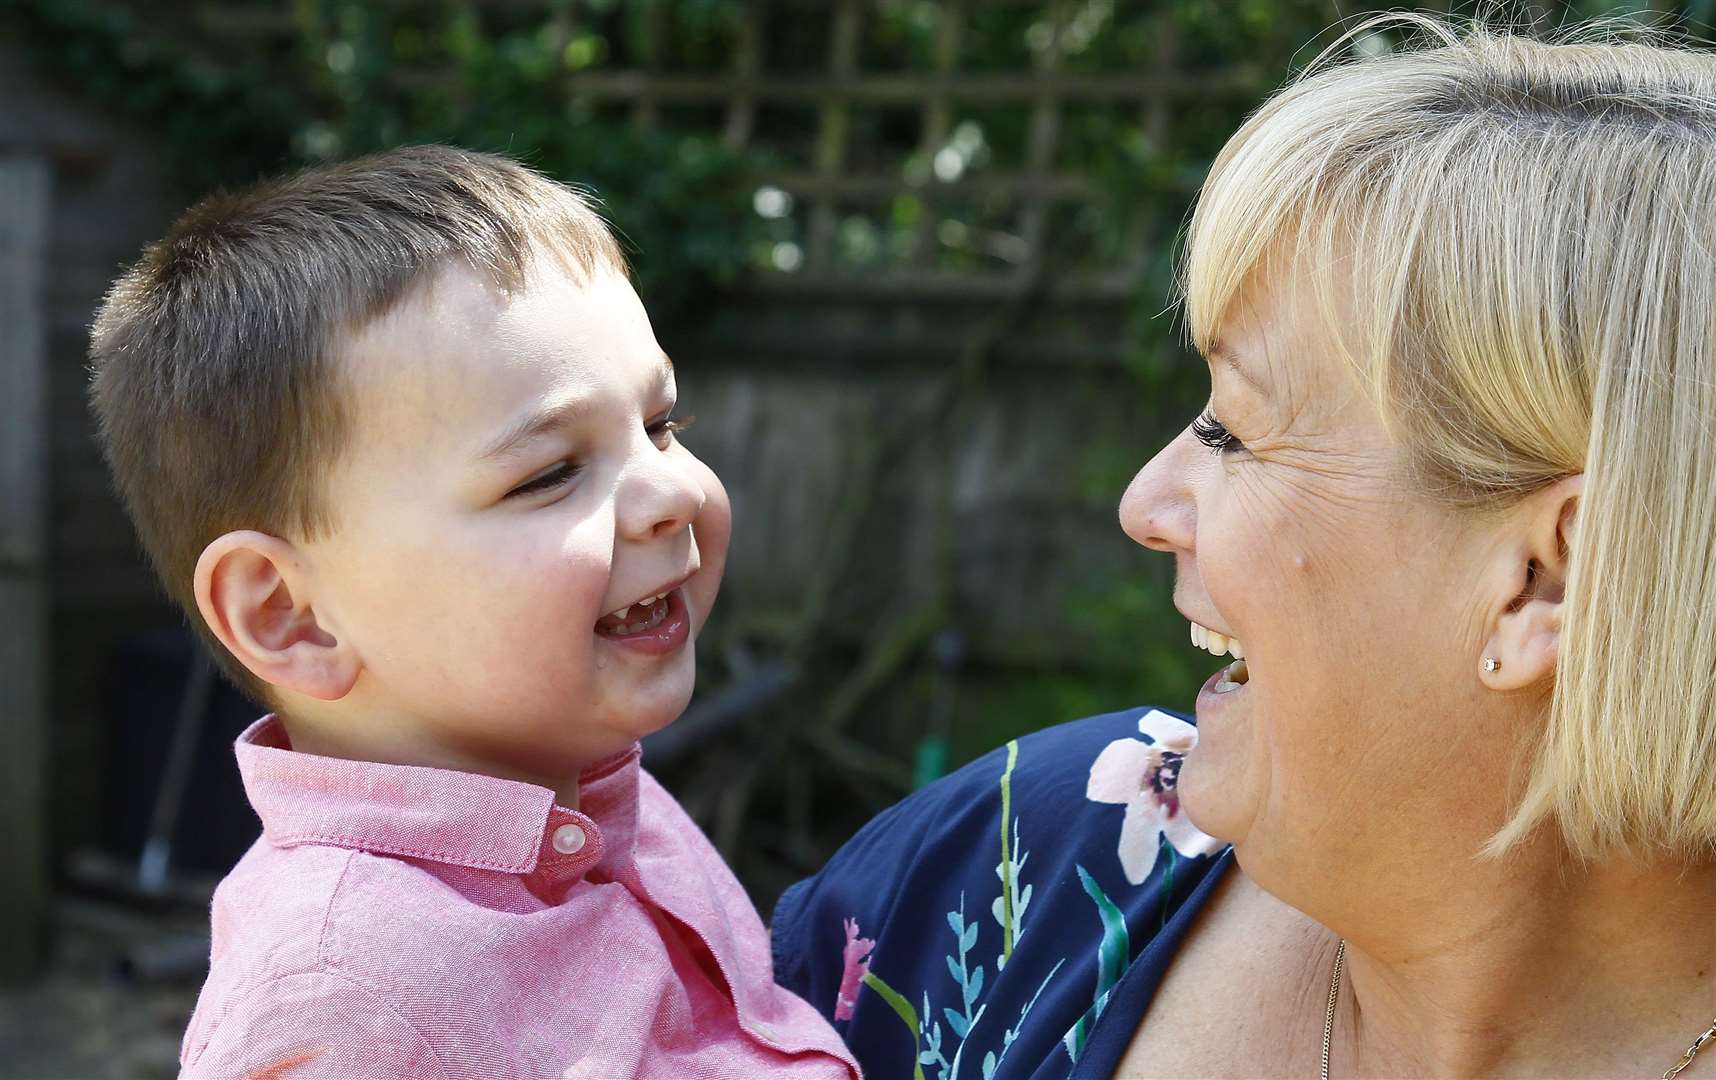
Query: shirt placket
x=719 y=946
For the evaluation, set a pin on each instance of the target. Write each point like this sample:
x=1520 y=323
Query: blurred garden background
x=913 y=260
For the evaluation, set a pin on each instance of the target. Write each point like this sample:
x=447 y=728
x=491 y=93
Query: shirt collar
x=459 y=818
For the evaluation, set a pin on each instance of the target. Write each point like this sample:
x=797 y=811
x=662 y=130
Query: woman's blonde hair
x=1529 y=230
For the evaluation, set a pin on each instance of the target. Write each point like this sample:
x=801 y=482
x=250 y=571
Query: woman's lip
x=669 y=637
x=1207 y=696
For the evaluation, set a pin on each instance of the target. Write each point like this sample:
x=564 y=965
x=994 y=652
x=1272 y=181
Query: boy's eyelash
x=671 y=423
x=560 y=474
x=1214 y=434
x=566 y=471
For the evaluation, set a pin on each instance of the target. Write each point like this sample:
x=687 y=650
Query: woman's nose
x=659 y=495
x=1158 y=510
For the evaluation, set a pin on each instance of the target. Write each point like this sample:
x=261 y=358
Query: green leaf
x=903 y=1009
x=1115 y=949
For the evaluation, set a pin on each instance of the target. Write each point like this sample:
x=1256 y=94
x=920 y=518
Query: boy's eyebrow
x=554 y=415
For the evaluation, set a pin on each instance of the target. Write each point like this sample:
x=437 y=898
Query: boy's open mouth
x=642 y=617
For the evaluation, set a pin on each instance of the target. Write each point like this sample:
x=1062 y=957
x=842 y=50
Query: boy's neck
x=397 y=749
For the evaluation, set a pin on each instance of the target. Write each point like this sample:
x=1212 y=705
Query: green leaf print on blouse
x=1009 y=907
x=1113 y=953
x=935 y=1047
x=951 y=1031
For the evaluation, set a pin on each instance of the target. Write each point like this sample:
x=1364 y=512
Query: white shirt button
x=569 y=839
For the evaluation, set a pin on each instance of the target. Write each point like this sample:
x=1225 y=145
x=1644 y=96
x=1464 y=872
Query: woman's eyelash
x=1214 y=434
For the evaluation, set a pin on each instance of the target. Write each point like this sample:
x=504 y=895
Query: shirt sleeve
x=312 y=1026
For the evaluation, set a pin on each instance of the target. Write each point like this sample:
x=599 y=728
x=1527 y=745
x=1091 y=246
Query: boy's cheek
x=714 y=524
x=712 y=530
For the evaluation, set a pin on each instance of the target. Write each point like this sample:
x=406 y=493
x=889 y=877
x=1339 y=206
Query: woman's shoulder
x=991 y=915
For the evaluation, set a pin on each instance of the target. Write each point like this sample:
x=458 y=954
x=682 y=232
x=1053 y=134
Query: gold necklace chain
x=1335 y=996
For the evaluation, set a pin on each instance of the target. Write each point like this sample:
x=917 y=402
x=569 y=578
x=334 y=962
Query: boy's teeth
x=648 y=601
x=646 y=614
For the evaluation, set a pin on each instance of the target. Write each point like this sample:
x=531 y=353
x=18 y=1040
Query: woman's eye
x=663 y=429
x=548 y=481
x=1214 y=434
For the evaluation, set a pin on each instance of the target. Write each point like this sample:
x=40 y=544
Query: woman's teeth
x=1234 y=676
x=1216 y=644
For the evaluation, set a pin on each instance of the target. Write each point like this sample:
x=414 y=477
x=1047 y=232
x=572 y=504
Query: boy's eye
x=548 y=481
x=1214 y=434
x=662 y=429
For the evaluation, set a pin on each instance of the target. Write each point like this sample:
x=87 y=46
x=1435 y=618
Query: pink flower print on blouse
x=857 y=957
x=1141 y=775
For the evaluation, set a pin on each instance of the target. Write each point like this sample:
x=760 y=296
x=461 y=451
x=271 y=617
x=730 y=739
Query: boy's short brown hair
x=215 y=379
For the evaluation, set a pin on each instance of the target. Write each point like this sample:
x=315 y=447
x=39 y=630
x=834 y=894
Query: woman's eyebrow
x=1220 y=352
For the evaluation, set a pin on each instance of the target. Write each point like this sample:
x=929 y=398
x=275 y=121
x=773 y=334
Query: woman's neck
x=1535 y=966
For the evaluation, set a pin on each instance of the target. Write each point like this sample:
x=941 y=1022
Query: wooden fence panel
x=24 y=193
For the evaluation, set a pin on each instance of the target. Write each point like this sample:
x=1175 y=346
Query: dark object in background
x=144 y=709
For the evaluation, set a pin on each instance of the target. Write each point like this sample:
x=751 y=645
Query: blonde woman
x=1452 y=510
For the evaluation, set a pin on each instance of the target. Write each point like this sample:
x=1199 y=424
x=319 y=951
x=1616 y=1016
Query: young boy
x=399 y=438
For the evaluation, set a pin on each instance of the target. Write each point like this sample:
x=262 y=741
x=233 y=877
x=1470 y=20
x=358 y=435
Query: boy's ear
x=253 y=592
x=1525 y=638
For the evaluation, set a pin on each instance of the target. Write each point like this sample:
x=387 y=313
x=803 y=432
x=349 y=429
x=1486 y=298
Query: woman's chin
x=1208 y=792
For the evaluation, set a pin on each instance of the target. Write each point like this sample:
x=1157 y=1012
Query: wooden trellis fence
x=832 y=185
x=841 y=87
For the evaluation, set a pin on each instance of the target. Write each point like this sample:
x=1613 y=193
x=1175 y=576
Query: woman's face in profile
x=1354 y=598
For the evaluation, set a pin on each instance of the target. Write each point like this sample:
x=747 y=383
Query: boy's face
x=512 y=481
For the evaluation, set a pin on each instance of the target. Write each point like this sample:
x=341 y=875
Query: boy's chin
x=656 y=704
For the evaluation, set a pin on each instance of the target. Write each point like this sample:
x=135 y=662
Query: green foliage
x=365 y=77
x=359 y=76
x=390 y=74
x=219 y=123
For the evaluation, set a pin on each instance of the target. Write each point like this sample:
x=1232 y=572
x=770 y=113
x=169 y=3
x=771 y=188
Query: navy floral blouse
x=1013 y=919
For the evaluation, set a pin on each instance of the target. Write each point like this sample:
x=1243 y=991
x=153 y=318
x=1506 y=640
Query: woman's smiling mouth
x=1234 y=675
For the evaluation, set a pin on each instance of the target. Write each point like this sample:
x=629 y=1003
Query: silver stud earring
x=1491 y=664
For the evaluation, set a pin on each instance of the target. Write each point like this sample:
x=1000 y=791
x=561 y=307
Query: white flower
x=1142 y=777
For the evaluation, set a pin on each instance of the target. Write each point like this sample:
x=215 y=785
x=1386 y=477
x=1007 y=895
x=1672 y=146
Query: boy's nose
x=1158 y=510
x=657 y=497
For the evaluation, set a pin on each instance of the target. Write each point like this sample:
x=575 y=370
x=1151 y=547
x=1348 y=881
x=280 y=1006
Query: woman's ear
x=1525 y=638
x=254 y=594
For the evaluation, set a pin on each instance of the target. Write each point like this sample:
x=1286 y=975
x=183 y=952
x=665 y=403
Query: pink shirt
x=404 y=921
